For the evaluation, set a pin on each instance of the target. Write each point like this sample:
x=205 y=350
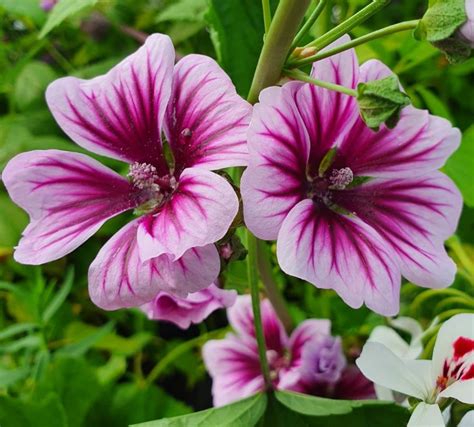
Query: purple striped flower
x=309 y=361
x=193 y=309
x=351 y=209
x=128 y=114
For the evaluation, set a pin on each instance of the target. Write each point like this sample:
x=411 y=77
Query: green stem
x=348 y=24
x=299 y=75
x=456 y=246
x=271 y=288
x=283 y=28
x=252 y=275
x=425 y=295
x=401 y=26
x=180 y=349
x=267 y=15
x=309 y=23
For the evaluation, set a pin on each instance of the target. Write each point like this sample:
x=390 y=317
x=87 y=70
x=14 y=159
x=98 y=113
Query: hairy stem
x=348 y=24
x=402 y=26
x=299 y=75
x=283 y=28
x=271 y=288
x=252 y=275
x=309 y=23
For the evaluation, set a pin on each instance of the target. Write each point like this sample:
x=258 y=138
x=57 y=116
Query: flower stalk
x=299 y=75
x=267 y=15
x=279 y=37
x=348 y=24
x=309 y=23
x=401 y=26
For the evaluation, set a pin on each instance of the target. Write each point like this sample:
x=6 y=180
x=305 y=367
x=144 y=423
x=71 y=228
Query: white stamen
x=341 y=178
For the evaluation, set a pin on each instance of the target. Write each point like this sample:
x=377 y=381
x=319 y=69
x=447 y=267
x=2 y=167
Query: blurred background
x=64 y=361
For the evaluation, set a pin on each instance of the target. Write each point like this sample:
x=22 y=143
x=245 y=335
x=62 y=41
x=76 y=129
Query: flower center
x=152 y=190
x=321 y=188
x=277 y=362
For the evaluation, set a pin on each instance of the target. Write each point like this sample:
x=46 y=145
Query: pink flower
x=184 y=207
x=47 y=5
x=193 y=309
x=375 y=209
x=310 y=360
x=467 y=29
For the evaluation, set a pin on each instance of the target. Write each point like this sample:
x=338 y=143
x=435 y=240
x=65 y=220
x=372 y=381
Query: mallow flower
x=351 y=209
x=172 y=125
x=450 y=373
x=309 y=361
x=192 y=309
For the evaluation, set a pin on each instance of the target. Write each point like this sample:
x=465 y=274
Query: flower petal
x=206 y=121
x=415 y=216
x=419 y=143
x=234 y=368
x=353 y=385
x=339 y=252
x=463 y=391
x=381 y=366
x=461 y=325
x=199 y=213
x=309 y=330
x=426 y=415
x=195 y=308
x=390 y=339
x=240 y=317
x=120 y=113
x=118 y=278
x=279 y=148
x=68 y=197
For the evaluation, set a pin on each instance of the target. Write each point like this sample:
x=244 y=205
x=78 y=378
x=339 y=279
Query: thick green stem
x=402 y=26
x=348 y=24
x=309 y=23
x=252 y=275
x=283 y=28
x=271 y=288
x=299 y=75
x=267 y=15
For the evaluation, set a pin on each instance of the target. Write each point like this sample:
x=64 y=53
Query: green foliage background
x=64 y=362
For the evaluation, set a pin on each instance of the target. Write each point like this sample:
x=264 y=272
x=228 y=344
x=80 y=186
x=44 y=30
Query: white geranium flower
x=450 y=374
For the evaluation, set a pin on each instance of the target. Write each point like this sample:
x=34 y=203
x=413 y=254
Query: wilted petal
x=68 y=197
x=118 y=278
x=199 y=213
x=309 y=330
x=340 y=252
x=415 y=216
x=426 y=415
x=120 y=113
x=206 y=121
x=234 y=368
x=278 y=148
x=381 y=366
x=240 y=317
x=196 y=307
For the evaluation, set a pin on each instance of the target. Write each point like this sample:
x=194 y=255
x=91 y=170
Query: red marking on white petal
x=463 y=346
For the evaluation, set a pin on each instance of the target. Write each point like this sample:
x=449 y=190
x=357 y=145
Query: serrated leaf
x=244 y=413
x=63 y=10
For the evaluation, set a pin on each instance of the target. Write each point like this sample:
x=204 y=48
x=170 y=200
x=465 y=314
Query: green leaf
x=46 y=411
x=82 y=346
x=381 y=101
x=63 y=10
x=434 y=104
x=31 y=84
x=15 y=329
x=237 y=33
x=74 y=381
x=24 y=8
x=11 y=376
x=183 y=10
x=460 y=167
x=244 y=413
x=60 y=297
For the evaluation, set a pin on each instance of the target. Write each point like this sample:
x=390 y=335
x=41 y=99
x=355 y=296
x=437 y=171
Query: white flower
x=450 y=374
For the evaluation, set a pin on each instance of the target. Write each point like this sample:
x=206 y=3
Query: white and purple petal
x=195 y=308
x=199 y=213
x=309 y=330
x=206 y=121
x=118 y=278
x=340 y=252
x=120 y=113
x=415 y=216
x=279 y=149
x=68 y=197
